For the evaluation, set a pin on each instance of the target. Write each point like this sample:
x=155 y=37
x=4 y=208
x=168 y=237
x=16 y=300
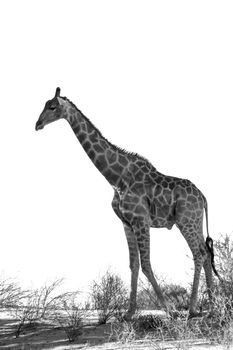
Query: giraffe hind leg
x=193 y=235
x=198 y=264
x=209 y=280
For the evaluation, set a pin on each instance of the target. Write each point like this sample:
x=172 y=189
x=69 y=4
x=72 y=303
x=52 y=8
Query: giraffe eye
x=52 y=108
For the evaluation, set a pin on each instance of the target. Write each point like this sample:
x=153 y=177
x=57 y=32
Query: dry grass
x=170 y=334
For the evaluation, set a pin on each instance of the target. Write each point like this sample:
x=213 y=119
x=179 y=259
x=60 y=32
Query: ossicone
x=58 y=90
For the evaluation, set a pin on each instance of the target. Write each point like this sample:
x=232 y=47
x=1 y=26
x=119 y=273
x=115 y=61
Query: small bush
x=36 y=305
x=70 y=317
x=149 y=322
x=10 y=293
x=177 y=296
x=109 y=297
x=123 y=332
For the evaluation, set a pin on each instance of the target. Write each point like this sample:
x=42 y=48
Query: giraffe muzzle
x=39 y=125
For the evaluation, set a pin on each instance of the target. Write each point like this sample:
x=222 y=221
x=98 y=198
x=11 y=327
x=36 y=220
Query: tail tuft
x=210 y=247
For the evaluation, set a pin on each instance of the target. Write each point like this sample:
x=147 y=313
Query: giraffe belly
x=162 y=223
x=162 y=216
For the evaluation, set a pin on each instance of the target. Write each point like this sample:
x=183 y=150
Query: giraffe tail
x=209 y=241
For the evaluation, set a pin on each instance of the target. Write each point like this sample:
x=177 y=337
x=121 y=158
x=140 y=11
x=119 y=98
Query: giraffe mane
x=121 y=150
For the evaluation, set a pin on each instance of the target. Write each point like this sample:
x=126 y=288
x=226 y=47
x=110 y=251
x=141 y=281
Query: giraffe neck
x=110 y=160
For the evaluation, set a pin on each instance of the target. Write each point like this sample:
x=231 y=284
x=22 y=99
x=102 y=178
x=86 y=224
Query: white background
x=156 y=77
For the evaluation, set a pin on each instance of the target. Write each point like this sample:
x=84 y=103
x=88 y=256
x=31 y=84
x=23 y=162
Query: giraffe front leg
x=143 y=238
x=134 y=267
x=133 y=257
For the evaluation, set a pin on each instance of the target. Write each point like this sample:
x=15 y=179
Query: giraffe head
x=54 y=109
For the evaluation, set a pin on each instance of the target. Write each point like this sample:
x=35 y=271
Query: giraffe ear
x=57 y=93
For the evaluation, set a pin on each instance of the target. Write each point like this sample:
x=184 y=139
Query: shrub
x=10 y=293
x=37 y=305
x=177 y=296
x=220 y=324
x=146 y=298
x=123 y=332
x=224 y=264
x=25 y=312
x=149 y=322
x=109 y=297
x=70 y=316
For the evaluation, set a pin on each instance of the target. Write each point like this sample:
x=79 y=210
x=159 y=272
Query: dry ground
x=45 y=336
x=93 y=337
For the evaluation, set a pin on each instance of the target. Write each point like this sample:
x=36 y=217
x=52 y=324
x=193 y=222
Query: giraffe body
x=143 y=198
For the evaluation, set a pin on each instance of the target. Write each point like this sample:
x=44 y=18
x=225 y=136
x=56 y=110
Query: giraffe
x=143 y=198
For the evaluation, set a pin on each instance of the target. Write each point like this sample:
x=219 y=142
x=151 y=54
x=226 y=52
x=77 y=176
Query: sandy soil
x=44 y=336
